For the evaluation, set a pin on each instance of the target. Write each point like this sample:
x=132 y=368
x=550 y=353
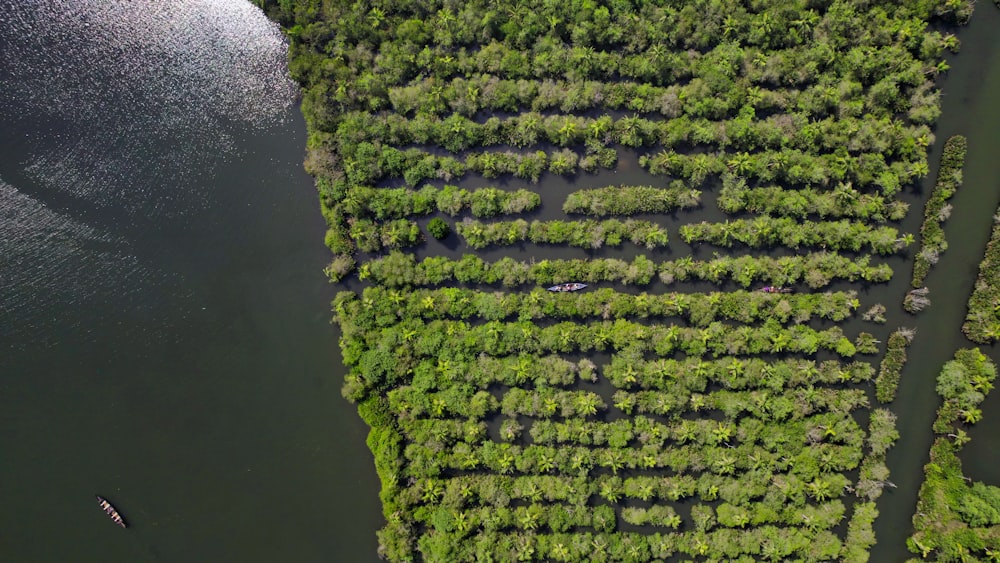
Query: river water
x=968 y=108
x=165 y=338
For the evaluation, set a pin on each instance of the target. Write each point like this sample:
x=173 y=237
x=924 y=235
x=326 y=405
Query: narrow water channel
x=969 y=108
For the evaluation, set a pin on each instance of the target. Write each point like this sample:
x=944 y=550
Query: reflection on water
x=115 y=81
x=49 y=261
x=164 y=330
x=115 y=113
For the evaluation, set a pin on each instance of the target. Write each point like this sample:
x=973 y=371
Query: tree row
x=815 y=269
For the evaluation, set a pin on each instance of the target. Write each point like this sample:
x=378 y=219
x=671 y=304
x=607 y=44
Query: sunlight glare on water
x=116 y=115
x=117 y=80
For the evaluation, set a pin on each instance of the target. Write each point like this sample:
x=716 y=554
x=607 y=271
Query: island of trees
x=956 y=518
x=711 y=148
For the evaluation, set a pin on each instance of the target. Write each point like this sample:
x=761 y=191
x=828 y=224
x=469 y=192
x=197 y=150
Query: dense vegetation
x=982 y=323
x=937 y=209
x=815 y=270
x=956 y=519
x=892 y=365
x=629 y=200
x=648 y=417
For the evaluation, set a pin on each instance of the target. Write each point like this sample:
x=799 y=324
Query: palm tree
x=470 y=461
x=740 y=163
x=438 y=406
x=628 y=131
x=701 y=546
x=730 y=25
x=674 y=491
x=625 y=402
x=939 y=68
x=599 y=127
x=586 y=403
x=709 y=495
x=664 y=369
x=432 y=491
x=472 y=93
x=522 y=369
x=648 y=461
x=644 y=491
x=982 y=383
x=549 y=406
x=546 y=463
x=819 y=490
x=673 y=521
x=529 y=518
x=722 y=432
x=904 y=241
x=685 y=431
x=375 y=17
x=601 y=337
x=972 y=415
x=613 y=459
x=960 y=438
x=526 y=551
x=565 y=337
x=628 y=376
x=609 y=492
x=697 y=402
x=567 y=131
x=560 y=552
x=506 y=463
x=725 y=465
x=779 y=341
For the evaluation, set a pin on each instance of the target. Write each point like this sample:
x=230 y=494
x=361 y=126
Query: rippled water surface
x=165 y=339
x=117 y=113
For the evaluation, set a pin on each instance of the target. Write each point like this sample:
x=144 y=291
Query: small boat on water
x=563 y=287
x=775 y=289
x=111 y=511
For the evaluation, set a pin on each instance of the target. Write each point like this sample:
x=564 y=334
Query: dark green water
x=165 y=338
x=969 y=108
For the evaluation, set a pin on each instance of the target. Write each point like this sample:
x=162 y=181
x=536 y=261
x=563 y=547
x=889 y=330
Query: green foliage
x=438 y=228
x=843 y=201
x=390 y=203
x=980 y=506
x=932 y=240
x=585 y=234
x=982 y=322
x=813 y=118
x=339 y=267
x=698 y=309
x=631 y=200
x=965 y=380
x=765 y=231
x=816 y=270
x=892 y=365
x=954 y=518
